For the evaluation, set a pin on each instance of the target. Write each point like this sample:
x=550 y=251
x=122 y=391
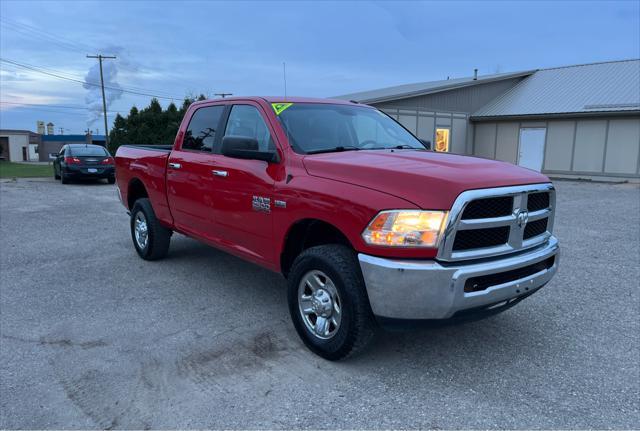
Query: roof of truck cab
x=281 y=99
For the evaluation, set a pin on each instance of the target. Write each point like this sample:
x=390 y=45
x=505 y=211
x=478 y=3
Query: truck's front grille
x=538 y=201
x=535 y=228
x=477 y=284
x=491 y=222
x=478 y=238
x=487 y=208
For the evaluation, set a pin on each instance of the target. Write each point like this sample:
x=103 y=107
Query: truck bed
x=165 y=148
x=148 y=164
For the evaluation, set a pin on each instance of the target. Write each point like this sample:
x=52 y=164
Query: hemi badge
x=279 y=203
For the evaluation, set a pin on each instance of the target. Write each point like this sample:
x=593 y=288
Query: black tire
x=63 y=177
x=158 y=236
x=111 y=180
x=55 y=174
x=357 y=326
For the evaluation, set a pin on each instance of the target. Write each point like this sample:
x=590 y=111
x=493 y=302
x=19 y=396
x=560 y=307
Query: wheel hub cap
x=319 y=304
x=322 y=303
x=141 y=230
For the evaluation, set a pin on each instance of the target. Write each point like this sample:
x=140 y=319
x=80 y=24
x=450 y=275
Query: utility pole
x=100 y=57
x=223 y=95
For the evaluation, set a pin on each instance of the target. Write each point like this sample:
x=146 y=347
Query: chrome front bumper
x=408 y=289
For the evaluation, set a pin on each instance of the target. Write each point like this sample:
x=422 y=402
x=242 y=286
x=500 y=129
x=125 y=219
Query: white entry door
x=531 y=152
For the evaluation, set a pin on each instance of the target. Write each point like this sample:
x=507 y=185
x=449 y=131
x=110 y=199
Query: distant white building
x=574 y=121
x=19 y=145
x=27 y=146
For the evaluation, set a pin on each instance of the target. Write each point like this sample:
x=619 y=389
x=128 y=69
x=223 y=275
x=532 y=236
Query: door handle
x=175 y=165
x=220 y=173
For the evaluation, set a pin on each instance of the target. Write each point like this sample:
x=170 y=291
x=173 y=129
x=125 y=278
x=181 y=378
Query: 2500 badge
x=262 y=204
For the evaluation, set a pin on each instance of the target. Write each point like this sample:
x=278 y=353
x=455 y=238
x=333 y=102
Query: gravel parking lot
x=94 y=337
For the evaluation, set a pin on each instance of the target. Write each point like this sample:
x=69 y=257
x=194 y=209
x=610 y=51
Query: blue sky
x=173 y=49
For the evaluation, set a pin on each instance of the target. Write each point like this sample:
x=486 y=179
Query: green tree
x=172 y=121
x=119 y=134
x=151 y=125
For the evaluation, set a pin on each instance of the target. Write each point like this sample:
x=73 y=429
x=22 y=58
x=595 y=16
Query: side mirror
x=242 y=147
x=427 y=144
x=55 y=154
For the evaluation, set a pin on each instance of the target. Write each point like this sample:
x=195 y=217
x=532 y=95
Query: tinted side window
x=245 y=120
x=201 y=132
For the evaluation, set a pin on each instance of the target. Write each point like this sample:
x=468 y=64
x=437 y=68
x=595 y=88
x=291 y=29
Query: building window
x=442 y=139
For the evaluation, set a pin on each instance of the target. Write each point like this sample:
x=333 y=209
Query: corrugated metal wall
x=451 y=109
x=581 y=147
x=608 y=146
x=467 y=99
x=423 y=124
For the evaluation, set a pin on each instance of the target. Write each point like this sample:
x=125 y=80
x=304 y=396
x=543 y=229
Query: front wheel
x=328 y=302
x=150 y=238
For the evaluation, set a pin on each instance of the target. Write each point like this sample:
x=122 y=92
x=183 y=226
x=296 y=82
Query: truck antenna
x=284 y=75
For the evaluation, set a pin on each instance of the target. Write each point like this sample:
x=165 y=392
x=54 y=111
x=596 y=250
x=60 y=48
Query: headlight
x=406 y=228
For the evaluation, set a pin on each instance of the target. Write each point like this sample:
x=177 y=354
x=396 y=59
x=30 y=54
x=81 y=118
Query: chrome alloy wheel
x=319 y=304
x=141 y=230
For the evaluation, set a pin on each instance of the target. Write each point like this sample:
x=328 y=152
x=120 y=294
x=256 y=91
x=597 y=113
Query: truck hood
x=427 y=179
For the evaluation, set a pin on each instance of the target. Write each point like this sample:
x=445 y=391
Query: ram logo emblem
x=522 y=217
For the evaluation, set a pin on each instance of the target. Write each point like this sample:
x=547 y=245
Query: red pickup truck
x=370 y=228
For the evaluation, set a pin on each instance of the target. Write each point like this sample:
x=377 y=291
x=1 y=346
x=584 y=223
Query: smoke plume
x=112 y=90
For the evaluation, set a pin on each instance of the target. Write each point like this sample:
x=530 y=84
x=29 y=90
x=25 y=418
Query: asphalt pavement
x=91 y=336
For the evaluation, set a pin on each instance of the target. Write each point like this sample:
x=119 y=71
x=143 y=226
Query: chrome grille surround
x=516 y=241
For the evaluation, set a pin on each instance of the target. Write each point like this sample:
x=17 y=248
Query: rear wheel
x=63 y=177
x=55 y=174
x=150 y=238
x=111 y=180
x=328 y=302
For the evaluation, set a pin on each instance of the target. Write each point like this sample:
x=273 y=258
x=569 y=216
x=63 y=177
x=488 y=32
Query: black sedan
x=79 y=161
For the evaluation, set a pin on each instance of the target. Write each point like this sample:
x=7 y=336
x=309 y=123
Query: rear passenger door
x=190 y=183
x=244 y=188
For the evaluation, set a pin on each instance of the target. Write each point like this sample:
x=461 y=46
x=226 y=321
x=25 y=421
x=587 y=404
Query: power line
x=57 y=112
x=78 y=80
x=59 y=76
x=34 y=32
x=66 y=43
x=63 y=75
x=38 y=34
x=37 y=105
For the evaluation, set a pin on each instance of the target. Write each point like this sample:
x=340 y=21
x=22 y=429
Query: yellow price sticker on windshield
x=280 y=106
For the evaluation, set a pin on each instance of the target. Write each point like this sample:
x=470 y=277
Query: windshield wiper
x=335 y=149
x=407 y=147
x=397 y=147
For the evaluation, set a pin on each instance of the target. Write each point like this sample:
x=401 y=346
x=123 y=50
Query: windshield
x=315 y=128
x=89 y=150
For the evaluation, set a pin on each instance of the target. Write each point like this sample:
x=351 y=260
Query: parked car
x=83 y=161
x=369 y=227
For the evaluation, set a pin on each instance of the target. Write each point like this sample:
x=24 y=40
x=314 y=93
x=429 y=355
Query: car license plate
x=92 y=170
